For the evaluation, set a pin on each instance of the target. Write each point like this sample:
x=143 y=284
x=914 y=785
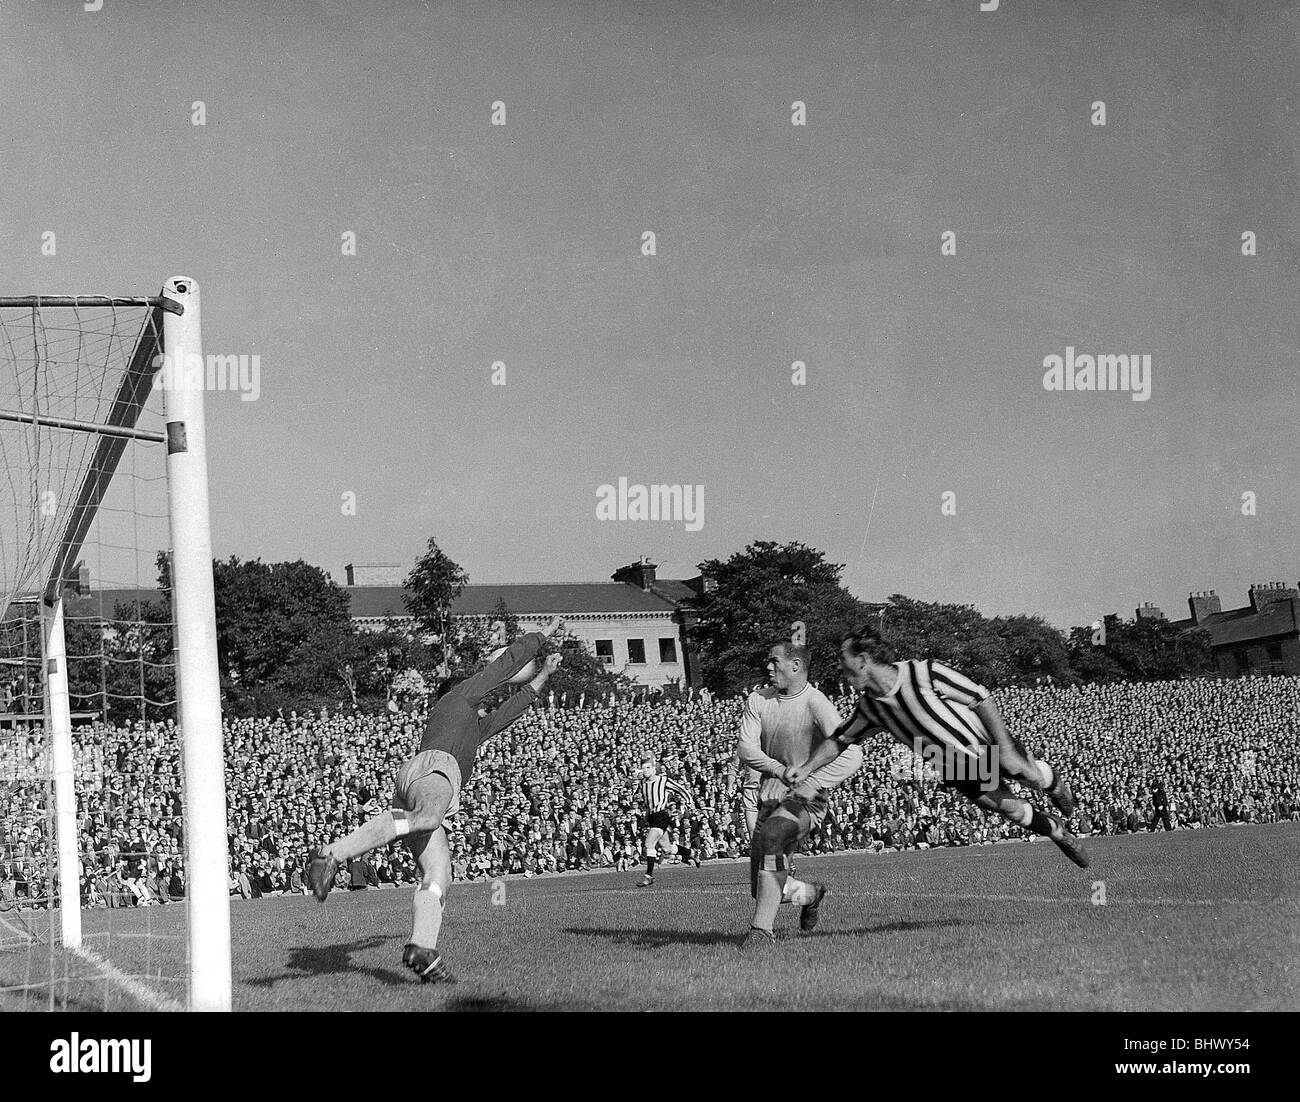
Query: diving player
x=427 y=792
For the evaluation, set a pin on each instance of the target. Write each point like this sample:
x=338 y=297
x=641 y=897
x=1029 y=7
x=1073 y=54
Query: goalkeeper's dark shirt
x=454 y=725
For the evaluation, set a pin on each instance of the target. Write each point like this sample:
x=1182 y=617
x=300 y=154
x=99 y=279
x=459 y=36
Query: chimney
x=1203 y=605
x=1263 y=594
x=640 y=574
x=1148 y=611
x=383 y=573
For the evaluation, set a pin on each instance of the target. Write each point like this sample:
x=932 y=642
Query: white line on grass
x=151 y=998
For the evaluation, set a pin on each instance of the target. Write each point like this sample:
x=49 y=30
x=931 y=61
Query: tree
x=476 y=638
x=401 y=666
x=1034 y=651
x=957 y=635
x=755 y=597
x=1141 y=649
x=431 y=588
x=282 y=635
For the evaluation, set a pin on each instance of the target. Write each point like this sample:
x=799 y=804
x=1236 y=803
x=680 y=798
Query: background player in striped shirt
x=943 y=715
x=427 y=792
x=656 y=791
x=781 y=726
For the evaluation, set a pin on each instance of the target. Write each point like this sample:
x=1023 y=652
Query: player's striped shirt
x=656 y=791
x=931 y=704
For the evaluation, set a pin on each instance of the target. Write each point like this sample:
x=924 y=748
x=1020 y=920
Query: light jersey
x=931 y=704
x=777 y=731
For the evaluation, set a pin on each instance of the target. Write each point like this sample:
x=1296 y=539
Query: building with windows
x=1262 y=637
x=635 y=623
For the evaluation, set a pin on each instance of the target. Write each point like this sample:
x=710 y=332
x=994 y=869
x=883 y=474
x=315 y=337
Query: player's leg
x=1024 y=814
x=667 y=844
x=776 y=836
x=433 y=856
x=324 y=863
x=1017 y=763
x=379 y=831
x=807 y=895
x=651 y=852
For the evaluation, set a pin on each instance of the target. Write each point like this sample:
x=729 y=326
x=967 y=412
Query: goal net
x=113 y=855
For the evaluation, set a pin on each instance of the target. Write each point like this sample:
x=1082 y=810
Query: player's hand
x=794 y=775
x=556 y=623
x=806 y=790
x=552 y=663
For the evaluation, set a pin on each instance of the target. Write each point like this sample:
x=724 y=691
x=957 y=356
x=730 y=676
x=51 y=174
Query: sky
x=774 y=243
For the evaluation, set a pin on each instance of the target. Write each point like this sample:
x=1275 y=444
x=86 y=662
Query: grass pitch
x=1192 y=920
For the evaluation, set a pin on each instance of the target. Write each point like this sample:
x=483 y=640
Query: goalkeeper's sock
x=798 y=892
x=428 y=916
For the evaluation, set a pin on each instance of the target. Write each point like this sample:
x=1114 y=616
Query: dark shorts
x=659 y=820
x=973 y=777
x=802 y=810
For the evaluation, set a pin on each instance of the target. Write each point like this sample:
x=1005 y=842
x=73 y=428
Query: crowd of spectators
x=555 y=792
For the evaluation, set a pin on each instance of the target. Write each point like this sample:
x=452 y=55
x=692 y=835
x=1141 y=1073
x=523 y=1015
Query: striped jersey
x=656 y=790
x=931 y=705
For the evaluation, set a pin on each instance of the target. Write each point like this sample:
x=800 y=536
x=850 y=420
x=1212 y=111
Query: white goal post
x=170 y=340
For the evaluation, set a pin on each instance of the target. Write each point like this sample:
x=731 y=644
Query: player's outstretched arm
x=521 y=701
x=497 y=672
x=685 y=793
x=846 y=763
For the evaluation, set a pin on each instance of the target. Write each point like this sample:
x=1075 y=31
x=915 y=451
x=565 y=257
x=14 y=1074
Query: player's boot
x=1068 y=843
x=646 y=881
x=810 y=913
x=321 y=870
x=757 y=941
x=428 y=964
x=1061 y=795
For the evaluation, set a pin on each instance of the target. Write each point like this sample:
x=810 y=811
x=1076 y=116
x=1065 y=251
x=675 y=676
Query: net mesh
x=83 y=515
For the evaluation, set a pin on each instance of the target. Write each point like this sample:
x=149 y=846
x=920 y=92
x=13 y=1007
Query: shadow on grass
x=503 y=1004
x=321 y=960
x=656 y=939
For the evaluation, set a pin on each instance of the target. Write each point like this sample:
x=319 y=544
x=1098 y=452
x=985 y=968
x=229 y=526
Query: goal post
x=197 y=682
x=76 y=373
x=58 y=724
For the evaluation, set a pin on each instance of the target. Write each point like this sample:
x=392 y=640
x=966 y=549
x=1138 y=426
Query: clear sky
x=775 y=243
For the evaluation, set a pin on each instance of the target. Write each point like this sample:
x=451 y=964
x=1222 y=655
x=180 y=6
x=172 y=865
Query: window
x=636 y=651
x=1275 y=651
x=667 y=650
x=605 y=651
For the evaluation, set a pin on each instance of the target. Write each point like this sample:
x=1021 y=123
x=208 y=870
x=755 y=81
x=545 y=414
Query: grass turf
x=1193 y=920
